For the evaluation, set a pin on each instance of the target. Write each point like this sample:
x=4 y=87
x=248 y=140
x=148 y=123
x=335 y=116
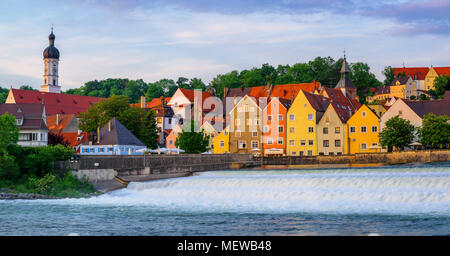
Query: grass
x=51 y=185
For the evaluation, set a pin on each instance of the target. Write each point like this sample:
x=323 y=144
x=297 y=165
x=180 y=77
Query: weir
x=111 y=172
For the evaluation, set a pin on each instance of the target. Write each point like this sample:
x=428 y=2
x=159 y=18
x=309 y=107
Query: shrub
x=9 y=170
x=42 y=185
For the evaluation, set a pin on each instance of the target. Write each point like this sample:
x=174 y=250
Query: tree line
x=325 y=70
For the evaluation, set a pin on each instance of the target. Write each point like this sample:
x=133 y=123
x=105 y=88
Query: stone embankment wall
x=104 y=168
x=383 y=158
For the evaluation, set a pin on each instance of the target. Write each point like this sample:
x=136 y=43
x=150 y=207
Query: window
x=34 y=136
x=291 y=129
x=170 y=142
x=374 y=144
x=310 y=129
x=238 y=121
x=363 y=113
x=222 y=144
x=291 y=117
x=352 y=129
x=374 y=129
x=101 y=150
x=300 y=153
x=310 y=142
x=269 y=141
x=255 y=133
x=255 y=144
x=291 y=143
x=310 y=117
x=170 y=120
x=266 y=129
x=256 y=121
x=326 y=143
x=245 y=108
x=242 y=144
x=280 y=129
x=325 y=130
x=337 y=143
x=309 y=152
x=363 y=129
x=363 y=146
x=269 y=118
x=280 y=141
x=337 y=130
x=302 y=142
x=280 y=117
x=294 y=153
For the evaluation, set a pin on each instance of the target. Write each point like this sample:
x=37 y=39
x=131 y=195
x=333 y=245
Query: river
x=390 y=200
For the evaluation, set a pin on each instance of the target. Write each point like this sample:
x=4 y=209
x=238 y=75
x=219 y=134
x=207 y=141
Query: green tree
x=229 y=80
x=441 y=84
x=148 y=133
x=197 y=83
x=389 y=75
x=27 y=87
x=137 y=120
x=182 y=82
x=423 y=97
x=362 y=78
x=3 y=94
x=398 y=133
x=9 y=132
x=191 y=141
x=435 y=130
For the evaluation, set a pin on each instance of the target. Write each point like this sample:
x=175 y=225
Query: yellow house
x=302 y=118
x=221 y=142
x=363 y=129
x=433 y=73
x=209 y=130
x=378 y=108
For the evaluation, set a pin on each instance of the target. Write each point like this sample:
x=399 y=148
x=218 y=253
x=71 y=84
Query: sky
x=151 y=40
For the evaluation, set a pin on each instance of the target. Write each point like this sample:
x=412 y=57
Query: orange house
x=274 y=126
x=172 y=137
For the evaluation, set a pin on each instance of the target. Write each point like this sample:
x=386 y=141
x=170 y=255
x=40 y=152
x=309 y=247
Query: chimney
x=142 y=101
x=324 y=101
x=292 y=98
x=98 y=134
x=58 y=119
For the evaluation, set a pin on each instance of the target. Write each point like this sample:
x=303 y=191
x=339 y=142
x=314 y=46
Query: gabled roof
x=55 y=103
x=31 y=114
x=156 y=102
x=118 y=135
x=418 y=73
x=319 y=103
x=64 y=121
x=444 y=71
x=401 y=79
x=285 y=91
x=189 y=94
x=437 y=107
x=382 y=90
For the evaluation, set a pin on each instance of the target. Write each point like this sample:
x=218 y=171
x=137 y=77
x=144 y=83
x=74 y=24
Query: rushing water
x=401 y=200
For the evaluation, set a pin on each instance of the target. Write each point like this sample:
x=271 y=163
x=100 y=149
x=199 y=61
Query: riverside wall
x=403 y=157
x=103 y=170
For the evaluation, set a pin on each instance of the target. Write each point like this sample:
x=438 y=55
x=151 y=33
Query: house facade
x=246 y=127
x=113 y=139
x=30 y=118
x=222 y=142
x=274 y=126
x=363 y=131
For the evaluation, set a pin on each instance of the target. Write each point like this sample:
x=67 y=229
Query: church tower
x=345 y=84
x=51 y=61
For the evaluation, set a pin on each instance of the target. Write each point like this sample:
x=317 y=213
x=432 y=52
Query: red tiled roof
x=285 y=91
x=56 y=103
x=445 y=71
x=30 y=113
x=64 y=120
x=190 y=94
x=153 y=103
x=418 y=73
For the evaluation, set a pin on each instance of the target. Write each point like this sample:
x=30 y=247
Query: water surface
x=392 y=200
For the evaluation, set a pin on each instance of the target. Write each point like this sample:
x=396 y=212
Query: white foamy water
x=359 y=191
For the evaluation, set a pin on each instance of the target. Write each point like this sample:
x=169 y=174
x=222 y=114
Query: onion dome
x=51 y=52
